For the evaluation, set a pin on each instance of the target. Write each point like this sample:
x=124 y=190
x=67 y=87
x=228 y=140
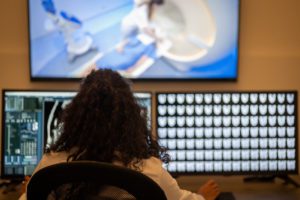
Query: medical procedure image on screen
x=172 y=39
x=31 y=123
x=235 y=132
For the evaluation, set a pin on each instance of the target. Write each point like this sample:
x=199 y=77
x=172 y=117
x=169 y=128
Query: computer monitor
x=229 y=132
x=29 y=121
x=183 y=40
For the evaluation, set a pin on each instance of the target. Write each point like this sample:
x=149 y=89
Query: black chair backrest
x=46 y=180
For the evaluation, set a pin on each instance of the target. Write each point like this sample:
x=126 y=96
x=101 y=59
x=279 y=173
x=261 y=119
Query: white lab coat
x=151 y=167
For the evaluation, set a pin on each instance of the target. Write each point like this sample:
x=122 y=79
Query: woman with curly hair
x=103 y=123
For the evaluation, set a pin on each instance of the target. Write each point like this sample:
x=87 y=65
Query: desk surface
x=242 y=191
x=276 y=190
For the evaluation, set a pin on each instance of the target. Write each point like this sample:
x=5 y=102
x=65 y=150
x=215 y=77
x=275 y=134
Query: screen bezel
x=4 y=91
x=72 y=79
x=259 y=173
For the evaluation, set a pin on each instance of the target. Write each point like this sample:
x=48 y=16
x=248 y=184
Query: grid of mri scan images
x=228 y=132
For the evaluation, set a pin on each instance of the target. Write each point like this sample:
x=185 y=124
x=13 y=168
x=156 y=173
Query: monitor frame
x=257 y=173
x=4 y=91
x=164 y=79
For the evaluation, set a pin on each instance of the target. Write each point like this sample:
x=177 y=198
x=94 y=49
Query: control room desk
x=246 y=191
x=242 y=191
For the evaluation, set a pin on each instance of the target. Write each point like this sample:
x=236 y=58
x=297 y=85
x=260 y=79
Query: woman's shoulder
x=152 y=164
x=153 y=168
x=153 y=160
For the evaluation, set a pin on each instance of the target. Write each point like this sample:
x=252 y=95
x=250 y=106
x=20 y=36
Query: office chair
x=125 y=183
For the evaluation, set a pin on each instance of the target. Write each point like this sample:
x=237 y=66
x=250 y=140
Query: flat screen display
x=229 y=132
x=30 y=121
x=194 y=39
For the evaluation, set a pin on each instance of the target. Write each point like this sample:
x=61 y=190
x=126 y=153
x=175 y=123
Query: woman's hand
x=210 y=190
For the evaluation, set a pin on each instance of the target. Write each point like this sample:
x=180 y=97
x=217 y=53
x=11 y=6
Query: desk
x=242 y=191
x=246 y=191
x=9 y=192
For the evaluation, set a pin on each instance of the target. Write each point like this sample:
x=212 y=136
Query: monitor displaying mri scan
x=30 y=123
x=229 y=132
x=167 y=39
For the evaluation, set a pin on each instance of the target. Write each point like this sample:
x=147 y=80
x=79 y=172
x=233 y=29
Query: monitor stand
x=271 y=178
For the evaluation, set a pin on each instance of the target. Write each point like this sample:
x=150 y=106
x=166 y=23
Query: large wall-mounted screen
x=229 y=132
x=175 y=39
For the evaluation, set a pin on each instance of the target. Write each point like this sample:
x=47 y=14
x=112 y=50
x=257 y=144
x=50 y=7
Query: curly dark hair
x=103 y=123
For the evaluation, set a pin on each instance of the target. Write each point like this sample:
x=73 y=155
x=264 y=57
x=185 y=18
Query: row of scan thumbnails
x=228 y=143
x=231 y=166
x=238 y=154
x=225 y=121
x=218 y=109
x=227 y=132
x=227 y=98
